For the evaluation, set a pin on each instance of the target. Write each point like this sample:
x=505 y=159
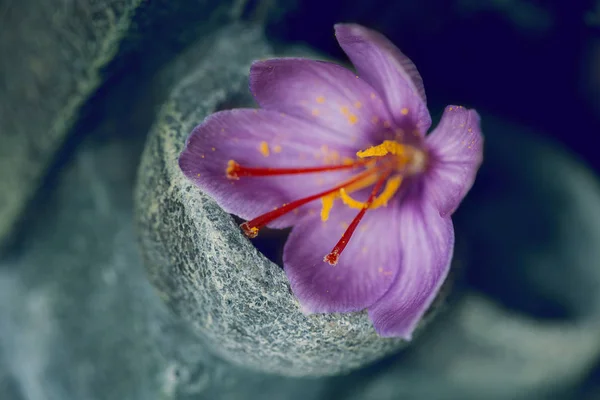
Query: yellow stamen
x=327 y=201
x=387 y=147
x=349 y=201
x=391 y=187
x=327 y=206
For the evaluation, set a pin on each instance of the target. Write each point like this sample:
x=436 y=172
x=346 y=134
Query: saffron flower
x=343 y=159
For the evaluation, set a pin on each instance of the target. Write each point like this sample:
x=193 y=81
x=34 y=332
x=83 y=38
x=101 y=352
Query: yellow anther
x=349 y=201
x=358 y=104
x=353 y=119
x=327 y=201
x=320 y=99
x=327 y=206
x=404 y=111
x=391 y=187
x=387 y=147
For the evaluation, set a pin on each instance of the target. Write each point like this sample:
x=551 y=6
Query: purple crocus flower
x=344 y=160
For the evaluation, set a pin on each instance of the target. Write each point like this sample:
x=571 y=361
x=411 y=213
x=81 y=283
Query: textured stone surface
x=207 y=271
x=528 y=325
x=78 y=317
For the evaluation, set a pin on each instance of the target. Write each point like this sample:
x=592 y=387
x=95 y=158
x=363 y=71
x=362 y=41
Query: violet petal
x=323 y=93
x=427 y=242
x=456 y=148
x=365 y=270
x=381 y=64
x=261 y=138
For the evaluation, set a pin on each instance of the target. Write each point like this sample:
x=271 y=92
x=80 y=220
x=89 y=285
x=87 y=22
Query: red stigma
x=333 y=257
x=251 y=227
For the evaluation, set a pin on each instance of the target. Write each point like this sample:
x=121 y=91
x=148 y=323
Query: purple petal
x=323 y=93
x=456 y=148
x=391 y=73
x=242 y=135
x=365 y=270
x=427 y=242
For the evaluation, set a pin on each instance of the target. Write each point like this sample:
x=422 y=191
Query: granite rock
x=235 y=299
x=527 y=325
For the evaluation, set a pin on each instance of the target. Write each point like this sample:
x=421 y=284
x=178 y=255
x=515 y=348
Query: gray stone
x=235 y=299
x=78 y=317
x=528 y=325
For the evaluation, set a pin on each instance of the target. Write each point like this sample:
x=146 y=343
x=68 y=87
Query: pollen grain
x=264 y=149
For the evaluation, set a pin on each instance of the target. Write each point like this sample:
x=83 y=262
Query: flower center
x=385 y=164
x=405 y=160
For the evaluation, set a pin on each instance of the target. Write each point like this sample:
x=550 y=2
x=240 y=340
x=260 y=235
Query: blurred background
x=81 y=85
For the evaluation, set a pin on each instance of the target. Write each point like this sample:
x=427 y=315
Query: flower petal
x=391 y=73
x=261 y=138
x=456 y=148
x=364 y=272
x=321 y=92
x=427 y=243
